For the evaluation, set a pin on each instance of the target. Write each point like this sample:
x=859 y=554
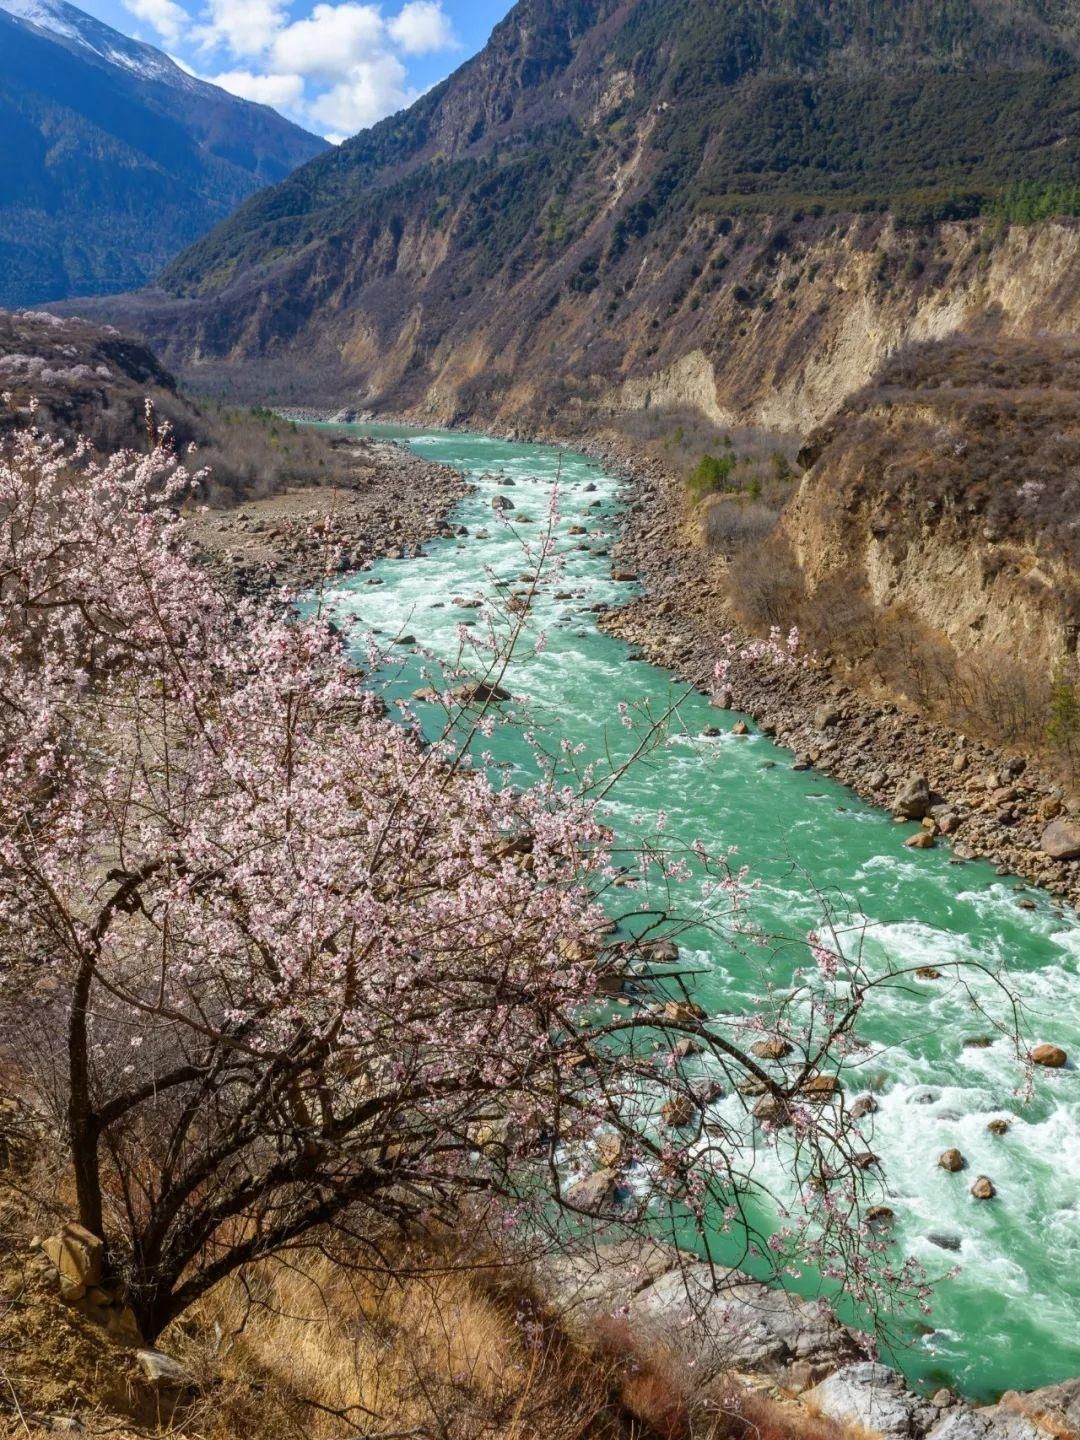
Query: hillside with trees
x=620 y=180
x=113 y=159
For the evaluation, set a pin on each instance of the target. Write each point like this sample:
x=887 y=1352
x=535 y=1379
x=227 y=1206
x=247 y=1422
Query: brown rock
x=912 y=800
x=774 y=1049
x=998 y=1127
x=76 y=1255
x=682 y=1012
x=1061 y=840
x=609 y=1151
x=596 y=1193
x=952 y=1161
x=821 y=1087
x=678 y=1112
x=740 y=728
x=1050 y=1056
x=770 y=1109
x=924 y=840
x=983 y=1189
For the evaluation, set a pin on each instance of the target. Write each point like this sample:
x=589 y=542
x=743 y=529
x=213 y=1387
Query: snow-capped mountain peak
x=74 y=25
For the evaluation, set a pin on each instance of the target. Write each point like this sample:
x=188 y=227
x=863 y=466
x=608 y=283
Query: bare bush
x=731 y=525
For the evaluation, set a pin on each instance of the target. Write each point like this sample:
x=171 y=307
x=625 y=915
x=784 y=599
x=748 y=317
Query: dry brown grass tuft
x=323 y=1351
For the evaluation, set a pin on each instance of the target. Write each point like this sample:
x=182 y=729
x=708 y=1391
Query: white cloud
x=243 y=27
x=340 y=68
x=423 y=28
x=373 y=89
x=281 y=91
x=165 y=16
x=331 y=42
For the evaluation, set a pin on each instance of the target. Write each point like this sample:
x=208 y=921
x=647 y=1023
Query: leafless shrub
x=730 y=524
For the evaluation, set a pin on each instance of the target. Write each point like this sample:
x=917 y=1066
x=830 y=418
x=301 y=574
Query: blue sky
x=334 y=66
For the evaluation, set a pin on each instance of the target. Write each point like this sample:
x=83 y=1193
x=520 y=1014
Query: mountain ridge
x=112 y=158
x=615 y=178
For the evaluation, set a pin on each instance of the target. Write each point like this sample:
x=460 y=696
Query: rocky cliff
x=744 y=206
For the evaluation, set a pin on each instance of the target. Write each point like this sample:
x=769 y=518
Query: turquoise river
x=1011 y=1317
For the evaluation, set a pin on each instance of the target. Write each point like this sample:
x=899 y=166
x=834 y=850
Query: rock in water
x=913 y=799
x=983 y=1189
x=678 y=1112
x=1050 y=1056
x=952 y=1161
x=596 y=1193
x=774 y=1049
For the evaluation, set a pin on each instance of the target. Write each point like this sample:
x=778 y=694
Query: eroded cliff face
x=934 y=541
x=751 y=321
x=825 y=312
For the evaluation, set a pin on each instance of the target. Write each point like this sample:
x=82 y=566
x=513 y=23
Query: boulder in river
x=596 y=1193
x=682 y=1012
x=479 y=693
x=771 y=1049
x=678 y=1112
x=983 y=1189
x=1052 y=1057
x=952 y=1161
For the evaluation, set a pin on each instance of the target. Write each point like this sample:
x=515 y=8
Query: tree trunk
x=82 y=1123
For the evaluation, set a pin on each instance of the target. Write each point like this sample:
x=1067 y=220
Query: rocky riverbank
x=720 y=1328
x=982 y=802
x=393 y=502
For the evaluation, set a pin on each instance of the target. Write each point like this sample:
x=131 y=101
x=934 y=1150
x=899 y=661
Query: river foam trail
x=1012 y=1316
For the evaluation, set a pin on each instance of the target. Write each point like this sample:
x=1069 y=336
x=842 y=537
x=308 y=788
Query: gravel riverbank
x=982 y=802
x=394 y=502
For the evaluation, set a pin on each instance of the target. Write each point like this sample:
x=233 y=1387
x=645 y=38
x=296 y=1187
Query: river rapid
x=1011 y=1317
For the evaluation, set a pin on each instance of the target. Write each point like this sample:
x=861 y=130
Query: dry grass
x=434 y=1344
x=453 y=1353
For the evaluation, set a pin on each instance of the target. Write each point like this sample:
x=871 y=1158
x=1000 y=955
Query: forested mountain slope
x=614 y=186
x=112 y=158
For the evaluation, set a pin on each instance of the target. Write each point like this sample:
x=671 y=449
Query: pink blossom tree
x=273 y=965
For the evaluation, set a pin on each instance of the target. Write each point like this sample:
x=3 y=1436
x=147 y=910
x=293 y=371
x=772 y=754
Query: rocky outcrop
x=718 y=1323
x=876 y=1399
x=718 y=1320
